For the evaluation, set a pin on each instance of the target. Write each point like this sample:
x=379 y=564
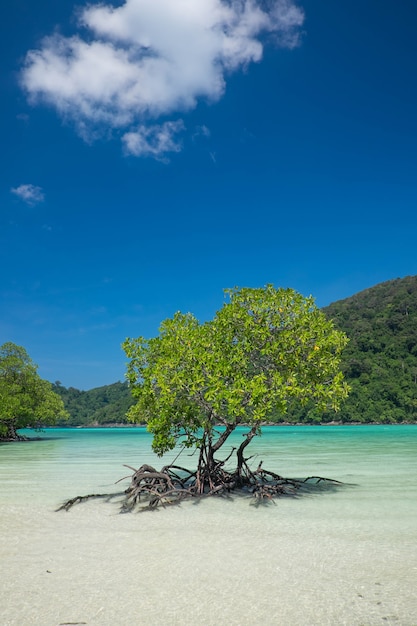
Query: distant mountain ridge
x=379 y=363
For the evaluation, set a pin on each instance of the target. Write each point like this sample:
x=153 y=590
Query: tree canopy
x=263 y=349
x=26 y=400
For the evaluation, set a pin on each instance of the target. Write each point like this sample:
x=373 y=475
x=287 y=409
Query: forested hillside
x=380 y=361
x=102 y=405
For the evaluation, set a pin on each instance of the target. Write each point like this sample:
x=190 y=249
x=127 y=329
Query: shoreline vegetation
x=262 y=350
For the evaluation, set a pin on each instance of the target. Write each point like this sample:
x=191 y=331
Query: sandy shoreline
x=217 y=562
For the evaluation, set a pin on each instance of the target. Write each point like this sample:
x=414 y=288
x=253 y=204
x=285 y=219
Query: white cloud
x=151 y=58
x=155 y=141
x=29 y=193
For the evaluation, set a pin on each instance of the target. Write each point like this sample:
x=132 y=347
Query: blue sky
x=155 y=153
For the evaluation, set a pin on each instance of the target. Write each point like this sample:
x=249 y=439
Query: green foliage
x=263 y=349
x=99 y=406
x=380 y=361
x=26 y=400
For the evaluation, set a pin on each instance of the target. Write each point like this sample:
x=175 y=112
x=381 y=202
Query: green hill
x=98 y=406
x=380 y=361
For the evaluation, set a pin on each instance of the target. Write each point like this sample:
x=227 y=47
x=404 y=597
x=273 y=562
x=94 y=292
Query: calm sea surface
x=348 y=557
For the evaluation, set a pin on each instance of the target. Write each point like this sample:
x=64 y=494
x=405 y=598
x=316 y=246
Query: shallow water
x=348 y=557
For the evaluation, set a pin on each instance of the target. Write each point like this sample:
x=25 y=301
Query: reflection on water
x=348 y=557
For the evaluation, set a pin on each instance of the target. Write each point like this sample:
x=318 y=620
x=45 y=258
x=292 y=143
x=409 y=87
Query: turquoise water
x=94 y=457
x=339 y=558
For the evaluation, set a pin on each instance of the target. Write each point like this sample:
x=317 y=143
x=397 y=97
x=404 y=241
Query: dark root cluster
x=150 y=488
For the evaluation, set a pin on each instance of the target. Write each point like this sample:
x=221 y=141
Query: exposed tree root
x=174 y=483
x=69 y=503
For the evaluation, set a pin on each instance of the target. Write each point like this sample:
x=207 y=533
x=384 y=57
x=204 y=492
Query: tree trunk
x=240 y=459
x=209 y=468
x=213 y=448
